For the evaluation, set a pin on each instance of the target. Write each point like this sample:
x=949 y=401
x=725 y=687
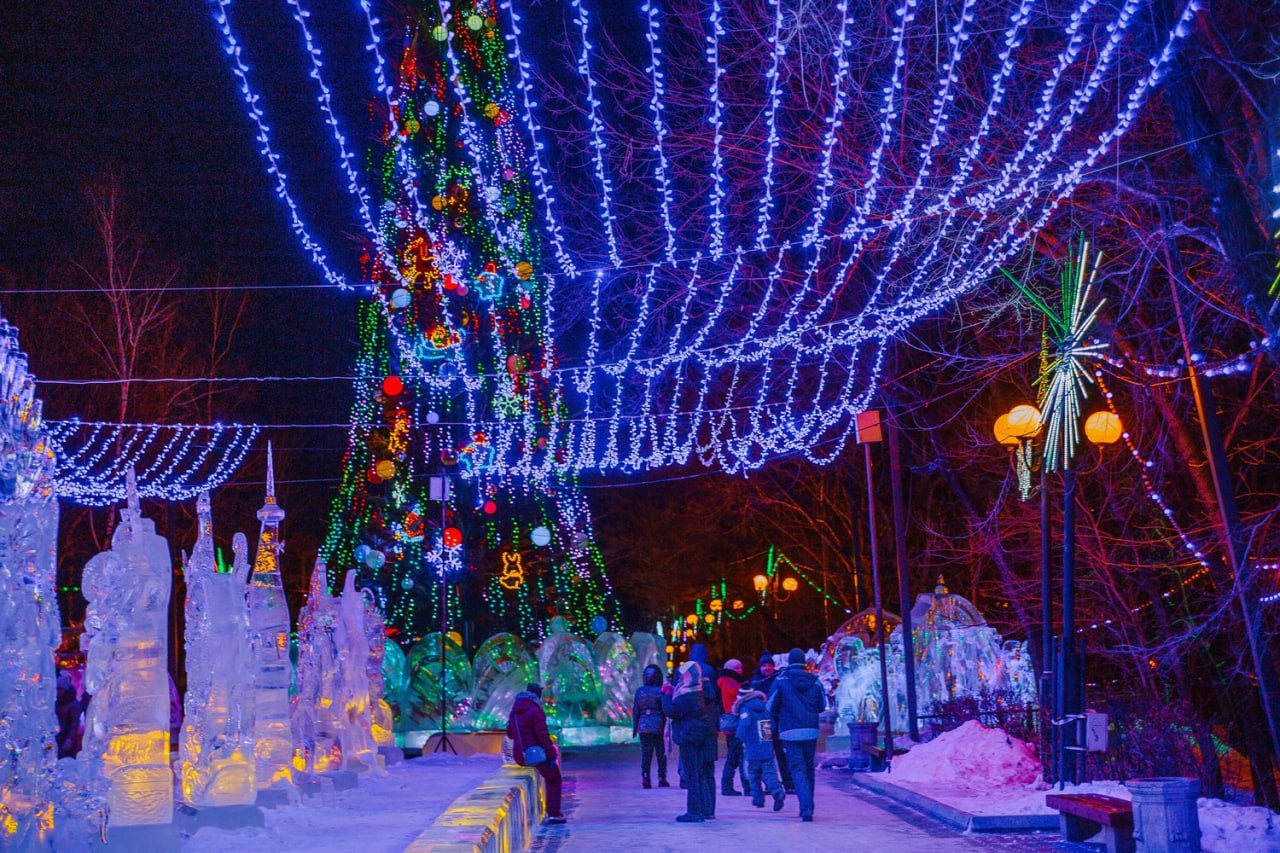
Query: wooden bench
x=876 y=751
x=1081 y=815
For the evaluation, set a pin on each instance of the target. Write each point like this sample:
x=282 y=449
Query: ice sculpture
x=619 y=673
x=502 y=668
x=571 y=687
x=957 y=655
x=359 y=751
x=649 y=649
x=126 y=740
x=269 y=641
x=215 y=749
x=29 y=622
x=395 y=681
x=381 y=721
x=314 y=708
x=425 y=681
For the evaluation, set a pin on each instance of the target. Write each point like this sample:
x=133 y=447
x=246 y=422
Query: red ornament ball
x=392 y=386
x=452 y=537
x=490 y=507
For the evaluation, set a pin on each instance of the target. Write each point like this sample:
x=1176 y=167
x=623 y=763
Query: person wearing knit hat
x=729 y=682
x=762 y=681
x=796 y=701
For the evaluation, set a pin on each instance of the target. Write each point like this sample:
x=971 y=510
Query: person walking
x=648 y=721
x=685 y=705
x=755 y=733
x=527 y=728
x=730 y=682
x=712 y=710
x=763 y=680
x=796 y=702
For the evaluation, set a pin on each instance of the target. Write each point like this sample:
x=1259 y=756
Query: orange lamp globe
x=1103 y=428
x=761 y=583
x=691 y=619
x=716 y=605
x=1003 y=432
x=709 y=618
x=738 y=604
x=1024 y=421
x=790 y=584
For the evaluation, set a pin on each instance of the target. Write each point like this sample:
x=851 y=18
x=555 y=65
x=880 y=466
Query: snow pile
x=972 y=757
x=1225 y=828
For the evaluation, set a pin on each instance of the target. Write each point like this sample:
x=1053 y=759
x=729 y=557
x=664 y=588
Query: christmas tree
x=457 y=333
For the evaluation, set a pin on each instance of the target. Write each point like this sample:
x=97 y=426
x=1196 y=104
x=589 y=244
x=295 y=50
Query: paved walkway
x=609 y=812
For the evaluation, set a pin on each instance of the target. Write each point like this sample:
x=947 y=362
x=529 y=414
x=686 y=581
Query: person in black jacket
x=796 y=702
x=685 y=705
x=648 y=721
x=762 y=681
x=711 y=749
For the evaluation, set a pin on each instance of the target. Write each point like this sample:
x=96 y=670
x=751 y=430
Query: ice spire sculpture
x=29 y=622
x=216 y=766
x=358 y=745
x=269 y=640
x=126 y=741
x=317 y=706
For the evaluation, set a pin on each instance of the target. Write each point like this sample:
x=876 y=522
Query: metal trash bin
x=860 y=734
x=1165 y=819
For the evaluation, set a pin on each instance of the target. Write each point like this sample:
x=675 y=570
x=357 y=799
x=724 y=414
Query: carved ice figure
x=355 y=706
x=424 y=695
x=30 y=628
x=269 y=640
x=312 y=708
x=381 y=720
x=395 y=680
x=215 y=748
x=502 y=668
x=571 y=686
x=126 y=741
x=619 y=673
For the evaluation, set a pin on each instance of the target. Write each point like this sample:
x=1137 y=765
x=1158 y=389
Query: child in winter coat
x=755 y=730
x=648 y=721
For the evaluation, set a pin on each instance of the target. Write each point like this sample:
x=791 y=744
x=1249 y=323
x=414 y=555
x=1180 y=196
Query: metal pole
x=1046 y=594
x=904 y=591
x=1070 y=695
x=444 y=623
x=882 y=642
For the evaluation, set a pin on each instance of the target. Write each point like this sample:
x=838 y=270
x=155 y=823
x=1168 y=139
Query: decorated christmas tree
x=457 y=332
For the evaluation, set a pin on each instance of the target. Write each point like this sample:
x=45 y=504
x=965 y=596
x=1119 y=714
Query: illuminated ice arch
x=746 y=315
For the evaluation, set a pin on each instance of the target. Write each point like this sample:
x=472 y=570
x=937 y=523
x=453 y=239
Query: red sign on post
x=870 y=430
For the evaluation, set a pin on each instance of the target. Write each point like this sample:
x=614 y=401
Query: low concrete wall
x=954 y=817
x=500 y=815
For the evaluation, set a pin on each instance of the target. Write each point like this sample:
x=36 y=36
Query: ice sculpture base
x=391 y=755
x=584 y=735
x=151 y=838
x=270 y=798
x=191 y=820
x=342 y=780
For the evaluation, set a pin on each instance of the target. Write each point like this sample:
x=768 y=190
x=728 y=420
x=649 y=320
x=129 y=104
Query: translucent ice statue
x=29 y=622
x=315 y=707
x=269 y=640
x=215 y=766
x=126 y=741
x=571 y=684
x=355 y=706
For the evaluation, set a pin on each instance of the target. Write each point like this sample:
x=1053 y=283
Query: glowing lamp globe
x=1103 y=428
x=738 y=604
x=1003 y=433
x=386 y=469
x=761 y=583
x=540 y=536
x=452 y=537
x=691 y=619
x=790 y=584
x=670 y=648
x=709 y=618
x=392 y=386
x=1024 y=421
x=716 y=605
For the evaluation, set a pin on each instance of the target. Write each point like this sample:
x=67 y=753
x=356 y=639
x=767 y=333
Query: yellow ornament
x=386 y=469
x=524 y=270
x=491 y=110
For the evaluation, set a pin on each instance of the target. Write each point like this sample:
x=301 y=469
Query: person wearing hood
x=755 y=733
x=67 y=707
x=795 y=703
x=685 y=705
x=527 y=728
x=712 y=709
x=648 y=721
x=729 y=683
x=766 y=673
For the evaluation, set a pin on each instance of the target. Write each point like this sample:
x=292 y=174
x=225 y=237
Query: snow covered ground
x=379 y=814
x=985 y=772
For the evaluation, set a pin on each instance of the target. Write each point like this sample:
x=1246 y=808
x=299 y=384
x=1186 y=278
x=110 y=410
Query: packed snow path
x=608 y=810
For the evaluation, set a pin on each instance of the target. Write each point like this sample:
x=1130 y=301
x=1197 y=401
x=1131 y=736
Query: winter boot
x=644 y=781
x=663 y=783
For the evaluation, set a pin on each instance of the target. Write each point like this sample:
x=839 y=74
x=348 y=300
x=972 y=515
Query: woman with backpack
x=648 y=721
